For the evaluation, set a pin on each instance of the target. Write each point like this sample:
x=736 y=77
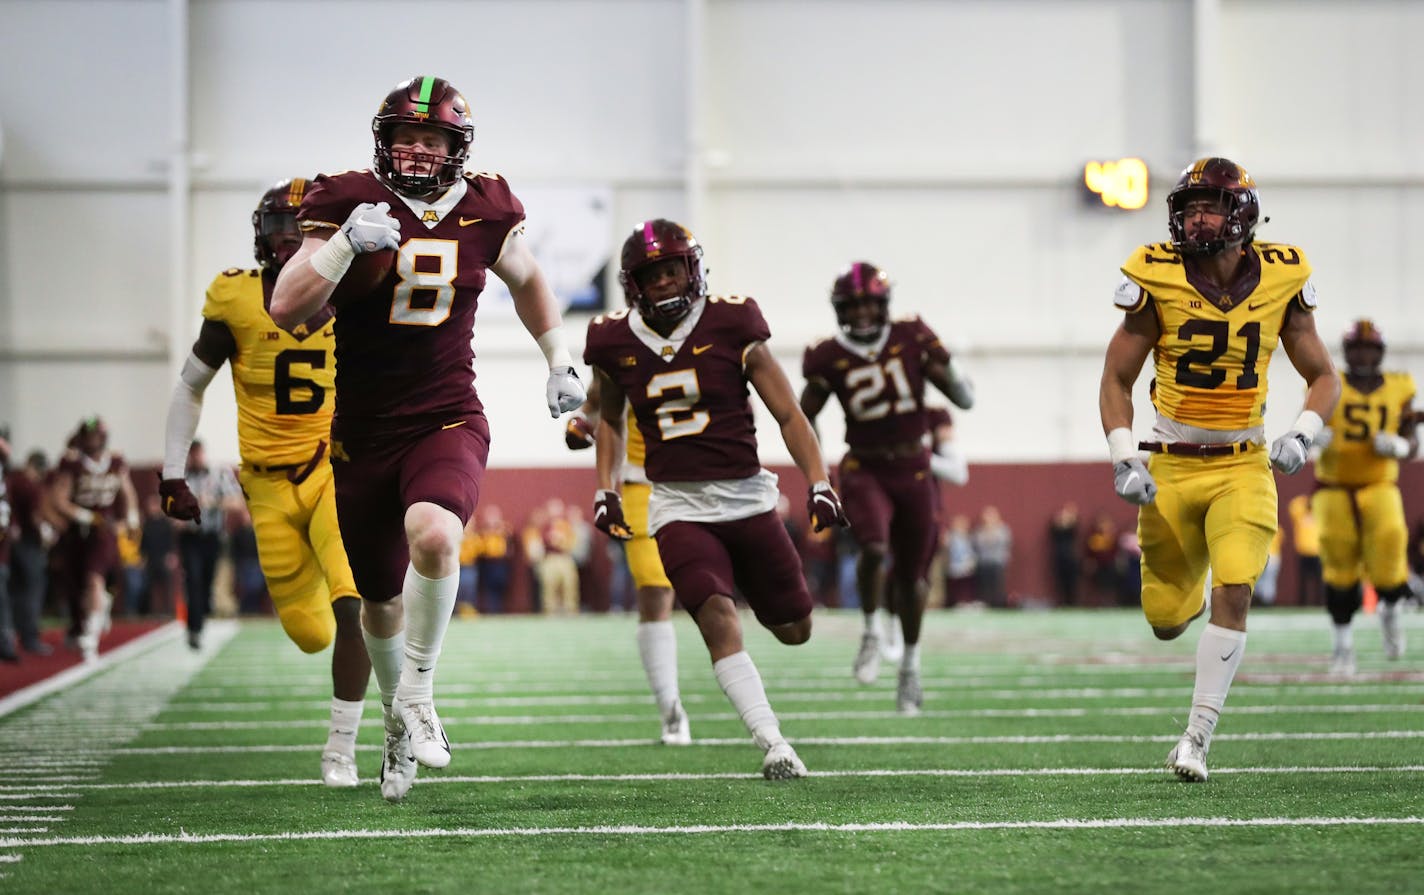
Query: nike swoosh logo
x=1250 y=307
x=423 y=670
x=453 y=425
x=465 y=222
x=1229 y=655
x=698 y=349
x=600 y=513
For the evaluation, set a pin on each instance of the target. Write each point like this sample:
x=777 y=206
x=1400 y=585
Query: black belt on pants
x=1183 y=449
x=296 y=472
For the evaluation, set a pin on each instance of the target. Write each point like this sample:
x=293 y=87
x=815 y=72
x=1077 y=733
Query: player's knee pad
x=1343 y=602
x=312 y=633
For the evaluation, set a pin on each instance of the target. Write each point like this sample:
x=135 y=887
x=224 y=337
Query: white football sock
x=911 y=660
x=1344 y=637
x=428 y=605
x=386 y=654
x=740 y=680
x=1218 y=656
x=872 y=623
x=345 y=721
x=889 y=626
x=657 y=645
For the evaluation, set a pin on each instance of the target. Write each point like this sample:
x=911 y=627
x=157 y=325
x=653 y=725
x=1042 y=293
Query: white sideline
x=73 y=675
x=729 y=775
x=1067 y=823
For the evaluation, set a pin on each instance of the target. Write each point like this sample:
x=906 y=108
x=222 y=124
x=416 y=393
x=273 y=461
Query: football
x=366 y=273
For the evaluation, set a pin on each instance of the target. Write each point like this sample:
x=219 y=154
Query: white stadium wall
x=941 y=140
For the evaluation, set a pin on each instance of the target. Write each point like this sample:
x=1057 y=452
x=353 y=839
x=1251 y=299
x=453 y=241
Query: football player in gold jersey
x=657 y=639
x=285 y=386
x=1357 y=497
x=1210 y=307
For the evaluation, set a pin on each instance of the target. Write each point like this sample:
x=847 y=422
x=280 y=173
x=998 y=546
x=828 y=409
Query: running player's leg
x=914 y=536
x=868 y=508
x=1386 y=550
x=657 y=640
x=699 y=565
x=1335 y=511
x=440 y=485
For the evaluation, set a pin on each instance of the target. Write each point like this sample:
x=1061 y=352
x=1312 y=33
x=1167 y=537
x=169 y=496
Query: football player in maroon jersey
x=409 y=437
x=91 y=488
x=877 y=368
x=684 y=360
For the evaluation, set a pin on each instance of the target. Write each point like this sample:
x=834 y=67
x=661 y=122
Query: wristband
x=1309 y=424
x=333 y=259
x=1121 y=446
x=555 y=348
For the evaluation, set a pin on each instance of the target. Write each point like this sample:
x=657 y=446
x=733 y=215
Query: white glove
x=370 y=228
x=564 y=391
x=1323 y=440
x=1387 y=444
x=948 y=463
x=1290 y=451
x=1133 y=483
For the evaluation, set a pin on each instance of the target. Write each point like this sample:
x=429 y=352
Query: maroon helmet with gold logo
x=433 y=102
x=1363 y=334
x=1226 y=182
x=276 y=216
x=653 y=241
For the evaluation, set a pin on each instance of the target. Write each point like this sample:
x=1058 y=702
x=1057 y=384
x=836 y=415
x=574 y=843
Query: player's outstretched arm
x=306 y=282
x=608 y=458
x=823 y=505
x=952 y=382
x=538 y=310
x=214 y=346
x=579 y=431
x=1404 y=444
x=1127 y=352
x=1312 y=360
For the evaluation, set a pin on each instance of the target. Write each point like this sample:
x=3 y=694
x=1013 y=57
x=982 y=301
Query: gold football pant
x=643 y=559
x=1210 y=512
x=299 y=546
x=1362 y=526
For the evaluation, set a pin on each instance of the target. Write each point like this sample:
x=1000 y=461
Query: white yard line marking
x=888 y=715
x=1112 y=823
x=11 y=859
x=45 y=808
x=25 y=793
x=28 y=818
x=14 y=842
x=728 y=775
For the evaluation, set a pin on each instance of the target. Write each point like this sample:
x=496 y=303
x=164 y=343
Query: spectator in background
x=200 y=543
x=1416 y=560
x=531 y=545
x=248 y=583
x=494 y=560
x=7 y=630
x=818 y=554
x=1305 y=536
x=1100 y=560
x=157 y=542
x=467 y=596
x=557 y=571
x=621 y=596
x=993 y=543
x=1129 y=569
x=582 y=550
x=960 y=561
x=29 y=554
x=1067 y=563
x=133 y=587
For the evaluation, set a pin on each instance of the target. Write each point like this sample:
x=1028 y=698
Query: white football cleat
x=908 y=695
x=1342 y=663
x=676 y=730
x=397 y=766
x=892 y=645
x=1188 y=758
x=782 y=763
x=427 y=736
x=867 y=661
x=1391 y=632
x=338 y=770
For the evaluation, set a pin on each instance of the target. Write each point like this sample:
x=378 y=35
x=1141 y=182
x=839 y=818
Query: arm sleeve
x=184 y=409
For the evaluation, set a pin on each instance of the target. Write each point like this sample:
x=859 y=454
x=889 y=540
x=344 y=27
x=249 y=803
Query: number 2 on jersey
x=676 y=418
x=1188 y=372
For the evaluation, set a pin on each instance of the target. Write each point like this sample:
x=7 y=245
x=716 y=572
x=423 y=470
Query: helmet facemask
x=424 y=102
x=1364 y=350
x=861 y=298
x=275 y=235
x=656 y=242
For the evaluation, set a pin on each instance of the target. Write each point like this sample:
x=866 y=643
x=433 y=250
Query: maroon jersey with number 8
x=689 y=401
x=404 y=353
x=881 y=387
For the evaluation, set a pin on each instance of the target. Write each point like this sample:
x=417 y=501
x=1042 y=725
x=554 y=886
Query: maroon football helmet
x=275 y=237
x=1364 y=348
x=651 y=242
x=91 y=437
x=1228 y=183
x=863 y=283
x=425 y=101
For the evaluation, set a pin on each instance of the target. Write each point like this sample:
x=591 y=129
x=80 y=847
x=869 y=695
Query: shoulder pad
x=1129 y=296
x=1306 y=297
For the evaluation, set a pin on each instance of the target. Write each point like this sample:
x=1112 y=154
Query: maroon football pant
x=703 y=559
x=377 y=481
x=893 y=505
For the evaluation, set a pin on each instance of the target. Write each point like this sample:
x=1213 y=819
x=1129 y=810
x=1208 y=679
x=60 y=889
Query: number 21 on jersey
x=868 y=400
